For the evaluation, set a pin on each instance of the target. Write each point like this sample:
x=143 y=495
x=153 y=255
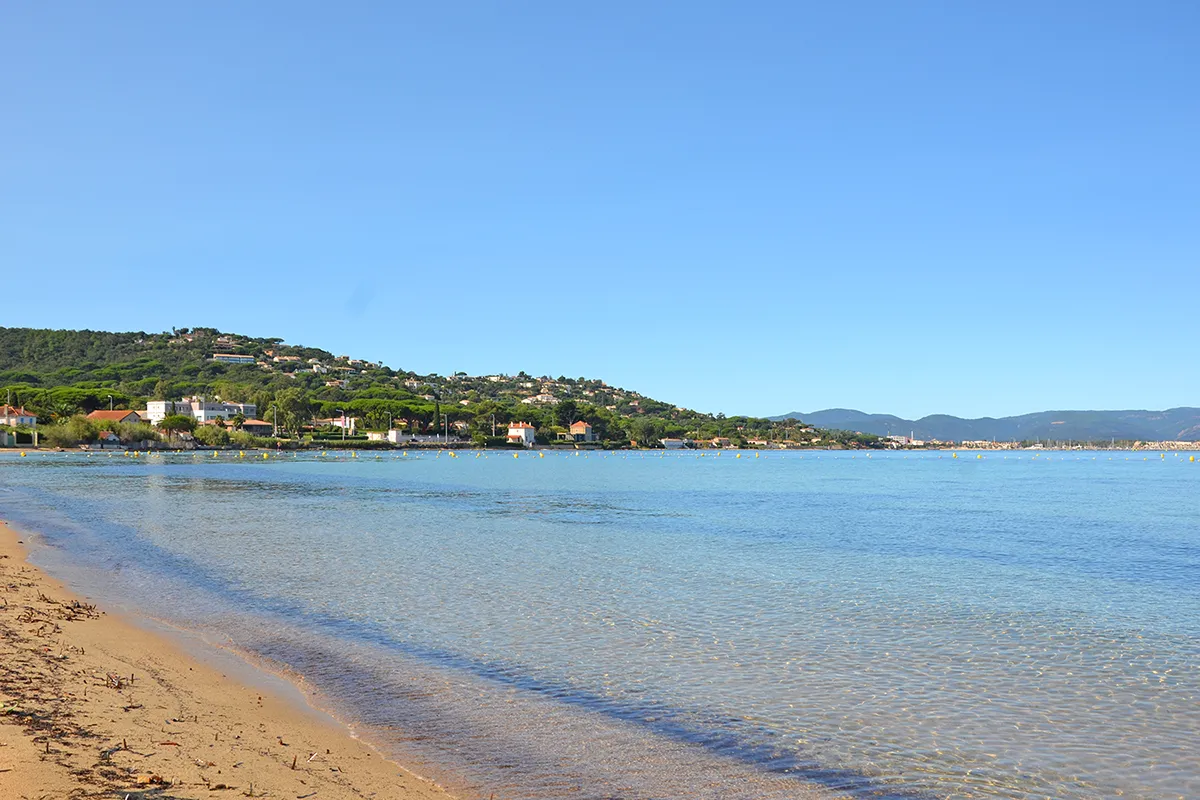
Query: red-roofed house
x=582 y=432
x=17 y=417
x=131 y=417
x=521 y=433
x=258 y=427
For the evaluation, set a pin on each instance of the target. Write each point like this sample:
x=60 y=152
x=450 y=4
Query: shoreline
x=93 y=705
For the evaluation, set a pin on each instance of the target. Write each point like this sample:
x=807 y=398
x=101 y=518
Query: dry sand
x=93 y=706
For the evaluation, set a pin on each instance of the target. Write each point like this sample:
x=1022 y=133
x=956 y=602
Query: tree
x=566 y=412
x=173 y=424
x=294 y=407
x=238 y=420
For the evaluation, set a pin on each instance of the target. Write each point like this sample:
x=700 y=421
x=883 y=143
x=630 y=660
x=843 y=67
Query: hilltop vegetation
x=60 y=374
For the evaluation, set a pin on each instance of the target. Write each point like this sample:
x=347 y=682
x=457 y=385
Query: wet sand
x=94 y=706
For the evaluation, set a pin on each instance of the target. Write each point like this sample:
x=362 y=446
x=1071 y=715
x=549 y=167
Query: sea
x=1007 y=624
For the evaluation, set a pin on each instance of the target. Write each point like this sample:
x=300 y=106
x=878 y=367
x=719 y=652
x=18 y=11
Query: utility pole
x=110 y=402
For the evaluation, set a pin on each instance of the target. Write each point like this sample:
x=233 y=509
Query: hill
x=1174 y=424
x=60 y=374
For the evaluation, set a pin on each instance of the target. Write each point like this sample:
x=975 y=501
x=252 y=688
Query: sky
x=754 y=208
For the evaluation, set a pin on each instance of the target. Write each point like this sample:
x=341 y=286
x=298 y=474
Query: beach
x=93 y=705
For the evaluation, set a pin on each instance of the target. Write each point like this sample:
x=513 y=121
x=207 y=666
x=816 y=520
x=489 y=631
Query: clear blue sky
x=969 y=208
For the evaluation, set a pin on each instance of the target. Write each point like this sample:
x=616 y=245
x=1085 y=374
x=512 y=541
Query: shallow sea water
x=633 y=625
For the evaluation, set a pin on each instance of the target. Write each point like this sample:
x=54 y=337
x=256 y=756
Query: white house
x=545 y=399
x=198 y=407
x=17 y=417
x=349 y=423
x=521 y=433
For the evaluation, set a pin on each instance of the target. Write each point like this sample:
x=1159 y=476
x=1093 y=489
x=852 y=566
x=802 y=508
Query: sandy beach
x=94 y=706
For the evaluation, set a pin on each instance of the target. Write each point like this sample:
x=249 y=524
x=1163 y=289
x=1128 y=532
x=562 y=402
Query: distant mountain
x=1174 y=424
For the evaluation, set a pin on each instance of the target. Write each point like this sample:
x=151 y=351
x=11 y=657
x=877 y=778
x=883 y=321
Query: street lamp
x=343 y=423
x=110 y=402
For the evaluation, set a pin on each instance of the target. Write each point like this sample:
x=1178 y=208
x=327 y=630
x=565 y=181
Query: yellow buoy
x=22 y=454
x=541 y=455
x=1190 y=458
x=979 y=456
x=956 y=455
x=516 y=455
x=266 y=455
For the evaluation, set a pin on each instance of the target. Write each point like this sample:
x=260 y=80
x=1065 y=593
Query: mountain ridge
x=1173 y=424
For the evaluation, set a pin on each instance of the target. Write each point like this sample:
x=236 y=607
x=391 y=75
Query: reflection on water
x=635 y=626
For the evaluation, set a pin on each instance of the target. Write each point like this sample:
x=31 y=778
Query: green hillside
x=61 y=374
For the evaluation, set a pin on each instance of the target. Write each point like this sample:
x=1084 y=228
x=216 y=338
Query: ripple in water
x=645 y=628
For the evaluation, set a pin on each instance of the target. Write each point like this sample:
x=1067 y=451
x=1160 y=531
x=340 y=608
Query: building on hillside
x=17 y=417
x=129 y=417
x=201 y=409
x=522 y=433
x=542 y=399
x=233 y=358
x=720 y=441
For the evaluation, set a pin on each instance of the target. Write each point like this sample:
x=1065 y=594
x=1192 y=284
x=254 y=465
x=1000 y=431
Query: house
x=107 y=438
x=521 y=433
x=376 y=436
x=349 y=423
x=674 y=444
x=17 y=417
x=233 y=358
x=127 y=417
x=545 y=399
x=258 y=427
x=202 y=409
x=582 y=432
x=720 y=441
